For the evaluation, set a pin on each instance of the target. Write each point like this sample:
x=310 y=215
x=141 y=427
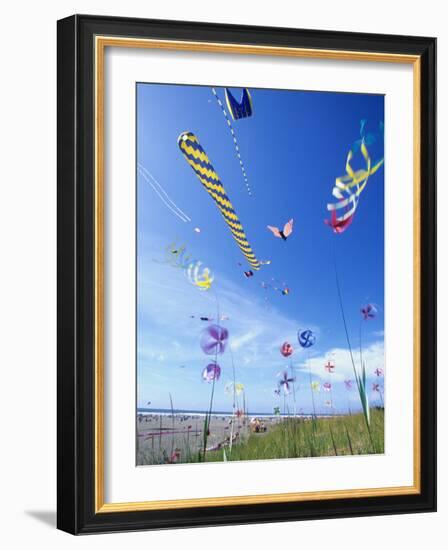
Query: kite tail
x=197 y=158
x=235 y=142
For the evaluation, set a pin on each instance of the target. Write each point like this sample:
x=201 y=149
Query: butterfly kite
x=282 y=234
x=197 y=158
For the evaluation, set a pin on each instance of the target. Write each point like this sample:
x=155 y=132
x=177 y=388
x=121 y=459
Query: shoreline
x=200 y=414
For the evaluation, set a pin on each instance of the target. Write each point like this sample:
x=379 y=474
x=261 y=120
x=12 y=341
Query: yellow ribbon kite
x=349 y=187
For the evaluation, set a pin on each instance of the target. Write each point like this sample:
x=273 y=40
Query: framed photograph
x=246 y=274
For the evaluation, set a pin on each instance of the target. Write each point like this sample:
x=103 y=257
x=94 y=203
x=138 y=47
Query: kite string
x=162 y=194
x=358 y=383
x=162 y=191
x=235 y=142
x=312 y=392
x=338 y=287
x=291 y=366
x=209 y=414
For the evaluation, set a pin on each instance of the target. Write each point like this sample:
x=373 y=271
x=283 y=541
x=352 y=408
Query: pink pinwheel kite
x=214 y=340
x=286 y=349
x=329 y=367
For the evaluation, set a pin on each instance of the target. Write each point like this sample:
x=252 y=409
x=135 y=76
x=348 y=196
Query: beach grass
x=289 y=437
x=300 y=438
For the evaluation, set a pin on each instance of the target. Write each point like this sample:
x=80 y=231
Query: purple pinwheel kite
x=369 y=312
x=211 y=372
x=348 y=384
x=285 y=382
x=214 y=340
x=378 y=372
x=326 y=386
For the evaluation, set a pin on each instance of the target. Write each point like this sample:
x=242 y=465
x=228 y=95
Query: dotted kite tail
x=197 y=158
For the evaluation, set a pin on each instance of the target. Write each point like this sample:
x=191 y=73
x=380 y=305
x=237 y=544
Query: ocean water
x=192 y=412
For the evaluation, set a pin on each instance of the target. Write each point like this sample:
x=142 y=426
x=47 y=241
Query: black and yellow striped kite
x=197 y=158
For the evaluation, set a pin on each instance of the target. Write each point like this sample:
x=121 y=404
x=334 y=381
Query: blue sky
x=293 y=148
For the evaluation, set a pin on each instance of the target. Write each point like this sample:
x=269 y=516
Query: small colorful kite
x=326 y=386
x=202 y=280
x=277 y=411
x=286 y=349
x=282 y=288
x=369 y=312
x=287 y=230
x=177 y=256
x=197 y=158
x=234 y=388
x=378 y=372
x=285 y=382
x=306 y=338
x=211 y=372
x=204 y=318
x=348 y=384
x=315 y=386
x=329 y=367
x=239 y=109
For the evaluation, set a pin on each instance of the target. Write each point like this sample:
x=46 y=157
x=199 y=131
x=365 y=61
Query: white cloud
x=166 y=303
x=373 y=358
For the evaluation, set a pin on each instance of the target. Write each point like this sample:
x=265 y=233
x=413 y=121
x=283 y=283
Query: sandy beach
x=166 y=438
